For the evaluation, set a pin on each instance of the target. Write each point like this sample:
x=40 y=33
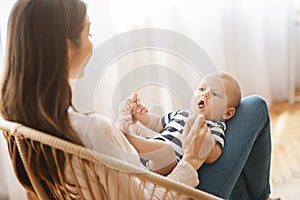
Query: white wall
x=249 y=39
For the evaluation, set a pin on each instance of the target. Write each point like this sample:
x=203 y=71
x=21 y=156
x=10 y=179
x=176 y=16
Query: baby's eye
x=201 y=89
x=216 y=94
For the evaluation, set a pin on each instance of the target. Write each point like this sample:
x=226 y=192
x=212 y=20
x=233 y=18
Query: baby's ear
x=229 y=113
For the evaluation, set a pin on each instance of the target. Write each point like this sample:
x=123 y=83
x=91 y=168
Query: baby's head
x=217 y=96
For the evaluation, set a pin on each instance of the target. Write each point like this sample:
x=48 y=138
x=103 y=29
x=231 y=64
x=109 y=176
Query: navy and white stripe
x=217 y=129
x=173 y=124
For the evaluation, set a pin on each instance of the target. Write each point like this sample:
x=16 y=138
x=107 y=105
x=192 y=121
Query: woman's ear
x=72 y=58
x=70 y=50
x=229 y=113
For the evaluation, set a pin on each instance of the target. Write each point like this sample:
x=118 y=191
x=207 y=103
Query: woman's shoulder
x=86 y=125
x=88 y=118
x=99 y=133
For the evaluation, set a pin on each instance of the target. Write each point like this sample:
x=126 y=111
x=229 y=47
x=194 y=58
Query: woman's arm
x=100 y=134
x=161 y=155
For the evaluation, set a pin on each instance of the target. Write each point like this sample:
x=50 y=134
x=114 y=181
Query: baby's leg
x=242 y=172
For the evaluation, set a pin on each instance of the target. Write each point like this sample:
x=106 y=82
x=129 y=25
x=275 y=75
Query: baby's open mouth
x=201 y=104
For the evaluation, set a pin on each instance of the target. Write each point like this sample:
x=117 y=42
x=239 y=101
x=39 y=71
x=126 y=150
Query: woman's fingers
x=192 y=140
x=199 y=139
x=188 y=125
x=199 y=124
x=123 y=122
x=207 y=144
x=191 y=130
x=206 y=140
x=193 y=121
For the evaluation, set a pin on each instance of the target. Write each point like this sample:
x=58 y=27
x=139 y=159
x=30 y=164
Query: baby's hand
x=135 y=105
x=140 y=111
x=136 y=109
x=125 y=118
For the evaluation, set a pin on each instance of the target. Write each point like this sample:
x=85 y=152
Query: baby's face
x=209 y=98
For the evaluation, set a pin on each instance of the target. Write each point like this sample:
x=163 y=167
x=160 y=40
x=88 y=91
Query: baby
x=216 y=98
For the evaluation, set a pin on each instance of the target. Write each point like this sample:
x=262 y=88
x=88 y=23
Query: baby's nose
x=206 y=94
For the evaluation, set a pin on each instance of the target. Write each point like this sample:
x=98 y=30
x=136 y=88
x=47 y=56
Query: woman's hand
x=129 y=109
x=194 y=135
x=124 y=122
x=125 y=117
x=139 y=111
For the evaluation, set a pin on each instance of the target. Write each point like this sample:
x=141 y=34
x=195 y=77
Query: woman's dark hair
x=35 y=89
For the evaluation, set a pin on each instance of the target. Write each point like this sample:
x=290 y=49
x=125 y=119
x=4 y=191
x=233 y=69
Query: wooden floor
x=285 y=170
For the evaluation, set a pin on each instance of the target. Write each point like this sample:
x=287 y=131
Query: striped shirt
x=173 y=124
